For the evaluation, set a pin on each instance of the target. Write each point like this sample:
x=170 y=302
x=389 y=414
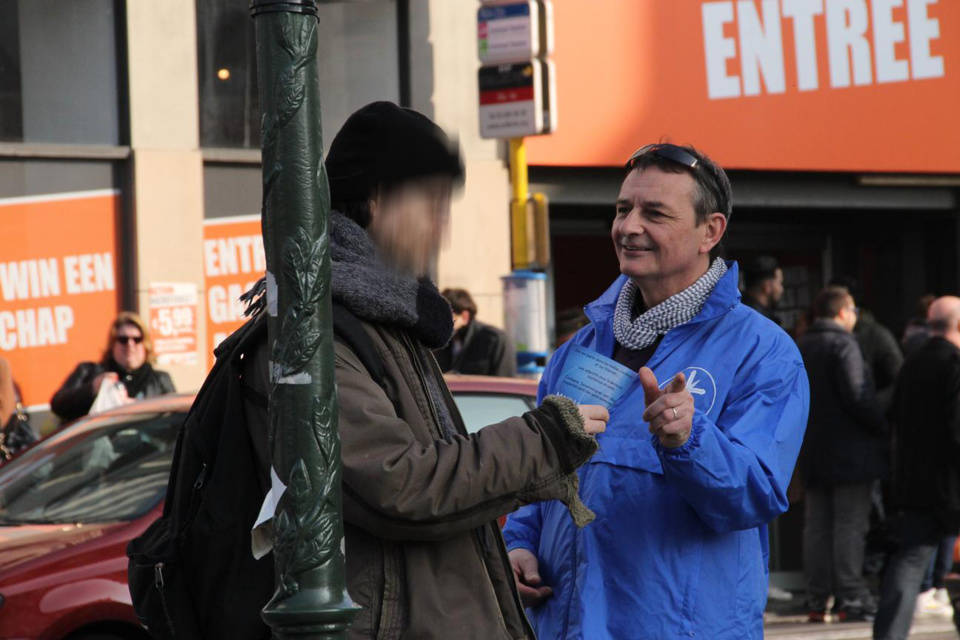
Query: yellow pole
x=518 y=169
x=520 y=181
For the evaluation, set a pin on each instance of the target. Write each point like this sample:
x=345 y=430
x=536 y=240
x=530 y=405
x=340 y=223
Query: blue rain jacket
x=679 y=547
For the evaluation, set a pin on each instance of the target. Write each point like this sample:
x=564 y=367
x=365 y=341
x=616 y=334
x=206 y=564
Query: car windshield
x=482 y=409
x=99 y=470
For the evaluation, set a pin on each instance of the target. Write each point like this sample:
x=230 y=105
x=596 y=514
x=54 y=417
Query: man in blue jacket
x=698 y=453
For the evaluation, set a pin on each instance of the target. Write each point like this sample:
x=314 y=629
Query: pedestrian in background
x=926 y=416
x=763 y=286
x=476 y=348
x=569 y=321
x=697 y=456
x=879 y=346
x=934 y=599
x=917 y=331
x=128 y=359
x=844 y=453
x=15 y=430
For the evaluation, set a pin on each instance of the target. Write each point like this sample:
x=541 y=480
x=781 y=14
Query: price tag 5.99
x=170 y=322
x=173 y=320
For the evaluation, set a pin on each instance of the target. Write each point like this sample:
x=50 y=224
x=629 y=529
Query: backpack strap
x=236 y=344
x=348 y=330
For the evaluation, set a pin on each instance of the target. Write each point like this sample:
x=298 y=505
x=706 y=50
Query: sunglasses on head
x=125 y=340
x=681 y=156
x=665 y=150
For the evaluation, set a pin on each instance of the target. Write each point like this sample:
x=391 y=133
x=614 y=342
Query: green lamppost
x=311 y=600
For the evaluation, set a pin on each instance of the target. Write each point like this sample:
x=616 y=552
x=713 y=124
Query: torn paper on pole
x=261 y=539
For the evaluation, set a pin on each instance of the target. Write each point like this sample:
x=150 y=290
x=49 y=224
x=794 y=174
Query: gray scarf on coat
x=640 y=333
x=375 y=292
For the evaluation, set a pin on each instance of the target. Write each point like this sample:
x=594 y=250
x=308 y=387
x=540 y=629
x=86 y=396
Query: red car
x=70 y=504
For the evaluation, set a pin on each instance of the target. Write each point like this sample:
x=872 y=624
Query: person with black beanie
x=421 y=497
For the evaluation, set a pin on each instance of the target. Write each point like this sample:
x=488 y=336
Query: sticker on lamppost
x=508 y=32
x=511 y=100
x=173 y=322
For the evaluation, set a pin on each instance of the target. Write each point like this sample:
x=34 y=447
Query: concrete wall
x=167 y=164
x=444 y=86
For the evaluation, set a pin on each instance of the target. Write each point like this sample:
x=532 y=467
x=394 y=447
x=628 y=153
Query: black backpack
x=192 y=574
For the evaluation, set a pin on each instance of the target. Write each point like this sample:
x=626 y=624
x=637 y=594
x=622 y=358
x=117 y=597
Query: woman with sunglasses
x=128 y=359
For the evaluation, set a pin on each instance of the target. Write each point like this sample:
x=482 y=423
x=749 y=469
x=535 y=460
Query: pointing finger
x=651 y=390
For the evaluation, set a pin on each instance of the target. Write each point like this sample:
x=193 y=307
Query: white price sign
x=173 y=322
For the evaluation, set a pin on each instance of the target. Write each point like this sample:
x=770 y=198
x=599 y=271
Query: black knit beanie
x=382 y=145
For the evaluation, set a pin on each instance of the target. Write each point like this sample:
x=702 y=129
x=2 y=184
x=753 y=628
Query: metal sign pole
x=311 y=600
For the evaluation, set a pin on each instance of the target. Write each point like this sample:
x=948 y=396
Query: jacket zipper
x=159 y=584
x=418 y=367
x=461 y=428
x=435 y=411
x=199 y=483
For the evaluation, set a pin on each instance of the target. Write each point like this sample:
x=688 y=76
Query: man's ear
x=374 y=209
x=716 y=226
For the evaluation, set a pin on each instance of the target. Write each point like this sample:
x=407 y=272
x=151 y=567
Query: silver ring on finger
x=675 y=416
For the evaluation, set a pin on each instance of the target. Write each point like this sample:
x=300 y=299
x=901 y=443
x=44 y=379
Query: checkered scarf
x=672 y=312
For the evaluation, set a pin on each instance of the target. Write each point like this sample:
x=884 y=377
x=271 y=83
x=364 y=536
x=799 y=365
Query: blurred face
x=776 y=287
x=848 y=315
x=409 y=223
x=655 y=231
x=460 y=320
x=128 y=348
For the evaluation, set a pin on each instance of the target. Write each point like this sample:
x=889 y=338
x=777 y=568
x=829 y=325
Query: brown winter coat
x=425 y=558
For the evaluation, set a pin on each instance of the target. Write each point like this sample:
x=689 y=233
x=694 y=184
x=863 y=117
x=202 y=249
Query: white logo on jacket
x=701 y=386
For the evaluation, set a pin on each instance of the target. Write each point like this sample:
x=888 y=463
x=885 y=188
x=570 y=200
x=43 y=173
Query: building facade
x=130 y=165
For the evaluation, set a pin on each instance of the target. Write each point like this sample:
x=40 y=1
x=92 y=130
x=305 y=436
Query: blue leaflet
x=590 y=378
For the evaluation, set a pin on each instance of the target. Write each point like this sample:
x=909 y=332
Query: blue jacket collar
x=724 y=297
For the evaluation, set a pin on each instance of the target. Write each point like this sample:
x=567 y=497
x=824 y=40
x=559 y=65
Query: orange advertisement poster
x=233 y=261
x=58 y=285
x=818 y=85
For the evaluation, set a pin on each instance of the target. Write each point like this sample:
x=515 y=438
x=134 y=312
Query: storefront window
x=58 y=72
x=357 y=59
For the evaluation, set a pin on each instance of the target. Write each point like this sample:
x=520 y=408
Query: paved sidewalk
x=796 y=627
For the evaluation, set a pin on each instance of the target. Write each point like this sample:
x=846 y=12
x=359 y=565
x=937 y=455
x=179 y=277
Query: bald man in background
x=926 y=414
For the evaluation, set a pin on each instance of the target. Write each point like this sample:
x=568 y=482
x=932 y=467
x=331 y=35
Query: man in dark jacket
x=843 y=454
x=879 y=346
x=926 y=414
x=763 y=286
x=424 y=554
x=476 y=348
